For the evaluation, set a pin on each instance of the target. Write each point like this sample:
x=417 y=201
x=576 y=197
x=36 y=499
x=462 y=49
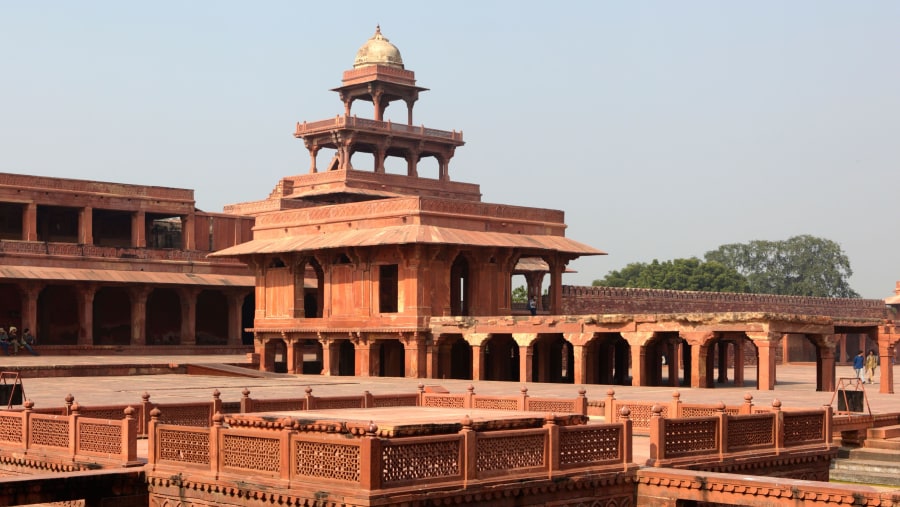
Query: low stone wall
x=579 y=300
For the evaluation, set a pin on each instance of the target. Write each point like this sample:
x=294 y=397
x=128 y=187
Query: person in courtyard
x=871 y=364
x=4 y=341
x=28 y=341
x=858 y=363
x=532 y=306
x=14 y=341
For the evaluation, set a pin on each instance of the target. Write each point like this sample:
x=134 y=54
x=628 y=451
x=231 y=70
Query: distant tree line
x=799 y=266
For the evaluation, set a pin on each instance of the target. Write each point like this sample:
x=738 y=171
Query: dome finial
x=378 y=29
x=378 y=50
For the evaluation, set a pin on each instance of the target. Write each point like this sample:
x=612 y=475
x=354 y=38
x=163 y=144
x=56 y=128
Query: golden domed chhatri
x=378 y=51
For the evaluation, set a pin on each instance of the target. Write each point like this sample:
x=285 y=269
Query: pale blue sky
x=663 y=129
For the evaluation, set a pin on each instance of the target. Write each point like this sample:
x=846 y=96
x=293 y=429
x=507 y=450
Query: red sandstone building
x=99 y=266
x=363 y=271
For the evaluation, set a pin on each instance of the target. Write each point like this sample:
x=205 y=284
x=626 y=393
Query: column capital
x=524 y=339
x=578 y=339
x=637 y=338
x=697 y=337
x=476 y=339
x=761 y=337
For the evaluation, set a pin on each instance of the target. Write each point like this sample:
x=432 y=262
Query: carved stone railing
x=523 y=402
x=297 y=451
x=694 y=441
x=67 y=442
x=340 y=122
x=641 y=411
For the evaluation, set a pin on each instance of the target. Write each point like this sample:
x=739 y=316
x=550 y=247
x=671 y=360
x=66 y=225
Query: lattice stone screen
x=99 y=438
x=501 y=453
x=183 y=446
x=751 y=432
x=583 y=445
x=49 y=432
x=801 y=429
x=326 y=460
x=11 y=429
x=431 y=460
x=251 y=453
x=691 y=437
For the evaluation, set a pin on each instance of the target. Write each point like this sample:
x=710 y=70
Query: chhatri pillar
x=526 y=355
x=638 y=341
x=766 y=343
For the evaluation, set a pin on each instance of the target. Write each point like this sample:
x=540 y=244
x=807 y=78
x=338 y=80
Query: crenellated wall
x=580 y=300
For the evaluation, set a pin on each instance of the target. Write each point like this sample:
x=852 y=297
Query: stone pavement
x=795 y=387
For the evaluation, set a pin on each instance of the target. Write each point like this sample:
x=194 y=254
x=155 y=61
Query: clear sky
x=663 y=129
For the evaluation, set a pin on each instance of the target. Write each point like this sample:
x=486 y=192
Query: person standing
x=858 y=364
x=871 y=364
x=532 y=306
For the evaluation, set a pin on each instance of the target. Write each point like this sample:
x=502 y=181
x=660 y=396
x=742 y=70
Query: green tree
x=520 y=294
x=799 y=266
x=679 y=274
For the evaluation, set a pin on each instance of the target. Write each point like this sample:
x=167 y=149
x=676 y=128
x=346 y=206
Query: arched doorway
x=308 y=357
x=501 y=358
x=112 y=316
x=57 y=311
x=212 y=318
x=311 y=280
x=163 y=317
x=608 y=358
x=553 y=360
x=275 y=356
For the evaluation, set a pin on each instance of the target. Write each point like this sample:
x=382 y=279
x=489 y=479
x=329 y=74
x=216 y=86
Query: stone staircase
x=877 y=462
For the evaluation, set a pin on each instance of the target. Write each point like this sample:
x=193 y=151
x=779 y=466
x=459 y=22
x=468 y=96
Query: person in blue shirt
x=858 y=362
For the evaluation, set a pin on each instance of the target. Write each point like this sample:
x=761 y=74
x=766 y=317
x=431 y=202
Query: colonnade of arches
x=663 y=358
x=89 y=314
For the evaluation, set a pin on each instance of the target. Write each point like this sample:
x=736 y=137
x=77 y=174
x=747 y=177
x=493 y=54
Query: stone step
x=884 y=432
x=886 y=455
x=866 y=466
x=886 y=444
x=870 y=478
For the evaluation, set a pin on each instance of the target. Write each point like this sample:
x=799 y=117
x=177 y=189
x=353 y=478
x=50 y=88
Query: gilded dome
x=378 y=51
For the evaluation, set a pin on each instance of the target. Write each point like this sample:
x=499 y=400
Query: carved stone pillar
x=329 y=357
x=699 y=342
x=85 y=295
x=739 y=363
x=29 y=293
x=188 y=298
x=235 y=315
x=825 y=363
x=476 y=342
x=187 y=232
x=886 y=342
x=139 y=297
x=86 y=226
x=580 y=368
x=638 y=341
x=363 y=359
x=766 y=344
x=525 y=341
x=291 y=345
x=29 y=224
x=414 y=355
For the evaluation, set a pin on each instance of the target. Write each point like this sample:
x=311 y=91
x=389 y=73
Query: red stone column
x=29 y=224
x=766 y=344
x=477 y=341
x=886 y=343
x=187 y=232
x=29 y=293
x=526 y=354
x=580 y=366
x=722 y=350
x=699 y=342
x=85 y=295
x=739 y=363
x=674 y=363
x=139 y=229
x=414 y=356
x=363 y=361
x=638 y=341
x=825 y=365
x=86 y=226
x=188 y=315
x=235 y=314
x=329 y=359
x=139 y=297
x=291 y=346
